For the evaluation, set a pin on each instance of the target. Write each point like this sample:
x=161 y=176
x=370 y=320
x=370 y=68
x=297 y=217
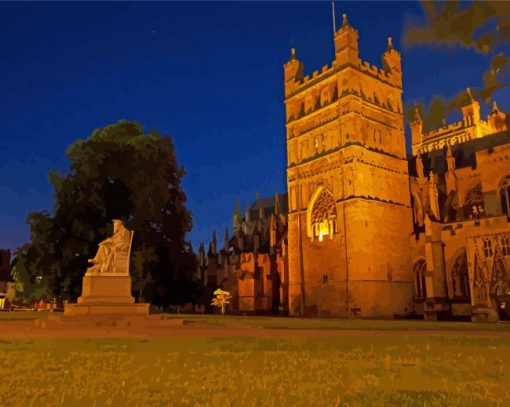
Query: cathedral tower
x=349 y=201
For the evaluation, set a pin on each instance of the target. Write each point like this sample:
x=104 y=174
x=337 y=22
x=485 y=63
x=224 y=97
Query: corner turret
x=226 y=241
x=416 y=130
x=214 y=242
x=346 y=44
x=293 y=72
x=450 y=177
x=391 y=62
x=237 y=218
x=470 y=110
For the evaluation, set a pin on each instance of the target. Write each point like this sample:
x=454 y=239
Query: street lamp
x=38 y=279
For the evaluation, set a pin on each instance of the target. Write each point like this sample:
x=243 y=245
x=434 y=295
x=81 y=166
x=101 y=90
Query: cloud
x=481 y=26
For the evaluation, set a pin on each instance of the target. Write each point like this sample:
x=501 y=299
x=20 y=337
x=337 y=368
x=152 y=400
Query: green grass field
x=339 y=324
x=267 y=322
x=22 y=315
x=362 y=370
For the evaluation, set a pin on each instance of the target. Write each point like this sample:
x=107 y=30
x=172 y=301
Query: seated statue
x=111 y=250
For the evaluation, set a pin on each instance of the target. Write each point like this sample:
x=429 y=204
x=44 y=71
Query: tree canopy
x=119 y=172
x=481 y=26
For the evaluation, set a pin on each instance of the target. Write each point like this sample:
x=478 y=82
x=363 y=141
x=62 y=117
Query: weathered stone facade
x=370 y=231
x=252 y=265
x=461 y=245
x=350 y=211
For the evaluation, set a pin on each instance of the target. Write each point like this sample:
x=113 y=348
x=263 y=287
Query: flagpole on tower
x=334 y=20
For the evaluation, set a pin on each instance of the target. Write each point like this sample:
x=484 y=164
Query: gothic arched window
x=322 y=216
x=504 y=195
x=419 y=277
x=460 y=277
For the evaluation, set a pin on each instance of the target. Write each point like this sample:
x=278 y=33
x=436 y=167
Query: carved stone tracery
x=323 y=220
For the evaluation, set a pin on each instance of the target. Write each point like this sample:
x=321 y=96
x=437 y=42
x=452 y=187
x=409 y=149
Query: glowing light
x=323 y=229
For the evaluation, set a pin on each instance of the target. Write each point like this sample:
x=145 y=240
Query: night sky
x=208 y=74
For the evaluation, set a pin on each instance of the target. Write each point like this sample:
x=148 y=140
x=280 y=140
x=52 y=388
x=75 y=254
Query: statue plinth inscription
x=107 y=284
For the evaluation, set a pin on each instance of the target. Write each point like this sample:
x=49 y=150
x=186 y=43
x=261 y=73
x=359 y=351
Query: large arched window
x=460 y=277
x=321 y=215
x=504 y=195
x=420 y=267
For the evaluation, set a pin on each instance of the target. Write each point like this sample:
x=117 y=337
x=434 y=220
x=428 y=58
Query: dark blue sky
x=208 y=74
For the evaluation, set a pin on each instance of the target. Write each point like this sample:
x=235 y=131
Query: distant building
x=6 y=281
x=252 y=263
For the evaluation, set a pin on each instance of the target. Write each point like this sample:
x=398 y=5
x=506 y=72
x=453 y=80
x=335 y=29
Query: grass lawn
x=22 y=315
x=342 y=324
x=387 y=370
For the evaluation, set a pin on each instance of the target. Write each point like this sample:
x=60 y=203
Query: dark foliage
x=119 y=172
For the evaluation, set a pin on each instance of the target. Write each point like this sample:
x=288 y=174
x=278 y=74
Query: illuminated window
x=323 y=216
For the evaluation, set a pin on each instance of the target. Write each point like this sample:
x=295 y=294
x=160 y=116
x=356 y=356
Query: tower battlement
x=347 y=179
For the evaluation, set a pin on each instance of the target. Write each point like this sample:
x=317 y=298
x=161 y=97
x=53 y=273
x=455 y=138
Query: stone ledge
x=99 y=308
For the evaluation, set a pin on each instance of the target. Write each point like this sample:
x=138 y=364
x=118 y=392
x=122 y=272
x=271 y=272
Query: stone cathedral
x=370 y=230
x=350 y=212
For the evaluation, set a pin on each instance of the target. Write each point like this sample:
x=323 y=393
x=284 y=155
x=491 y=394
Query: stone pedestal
x=107 y=285
x=106 y=288
x=106 y=294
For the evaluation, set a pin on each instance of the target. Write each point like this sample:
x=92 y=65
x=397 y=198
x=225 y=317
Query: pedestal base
x=106 y=294
x=105 y=308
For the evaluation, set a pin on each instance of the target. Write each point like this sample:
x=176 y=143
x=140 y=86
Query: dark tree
x=119 y=172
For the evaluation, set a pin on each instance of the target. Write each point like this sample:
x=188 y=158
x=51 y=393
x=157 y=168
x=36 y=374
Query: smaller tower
x=237 y=218
x=293 y=72
x=497 y=119
x=201 y=255
x=391 y=61
x=346 y=44
x=247 y=214
x=214 y=242
x=226 y=241
x=470 y=110
x=276 y=204
x=450 y=177
x=273 y=230
x=416 y=130
x=434 y=195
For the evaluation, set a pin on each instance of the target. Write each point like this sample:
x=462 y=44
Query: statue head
x=117 y=225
